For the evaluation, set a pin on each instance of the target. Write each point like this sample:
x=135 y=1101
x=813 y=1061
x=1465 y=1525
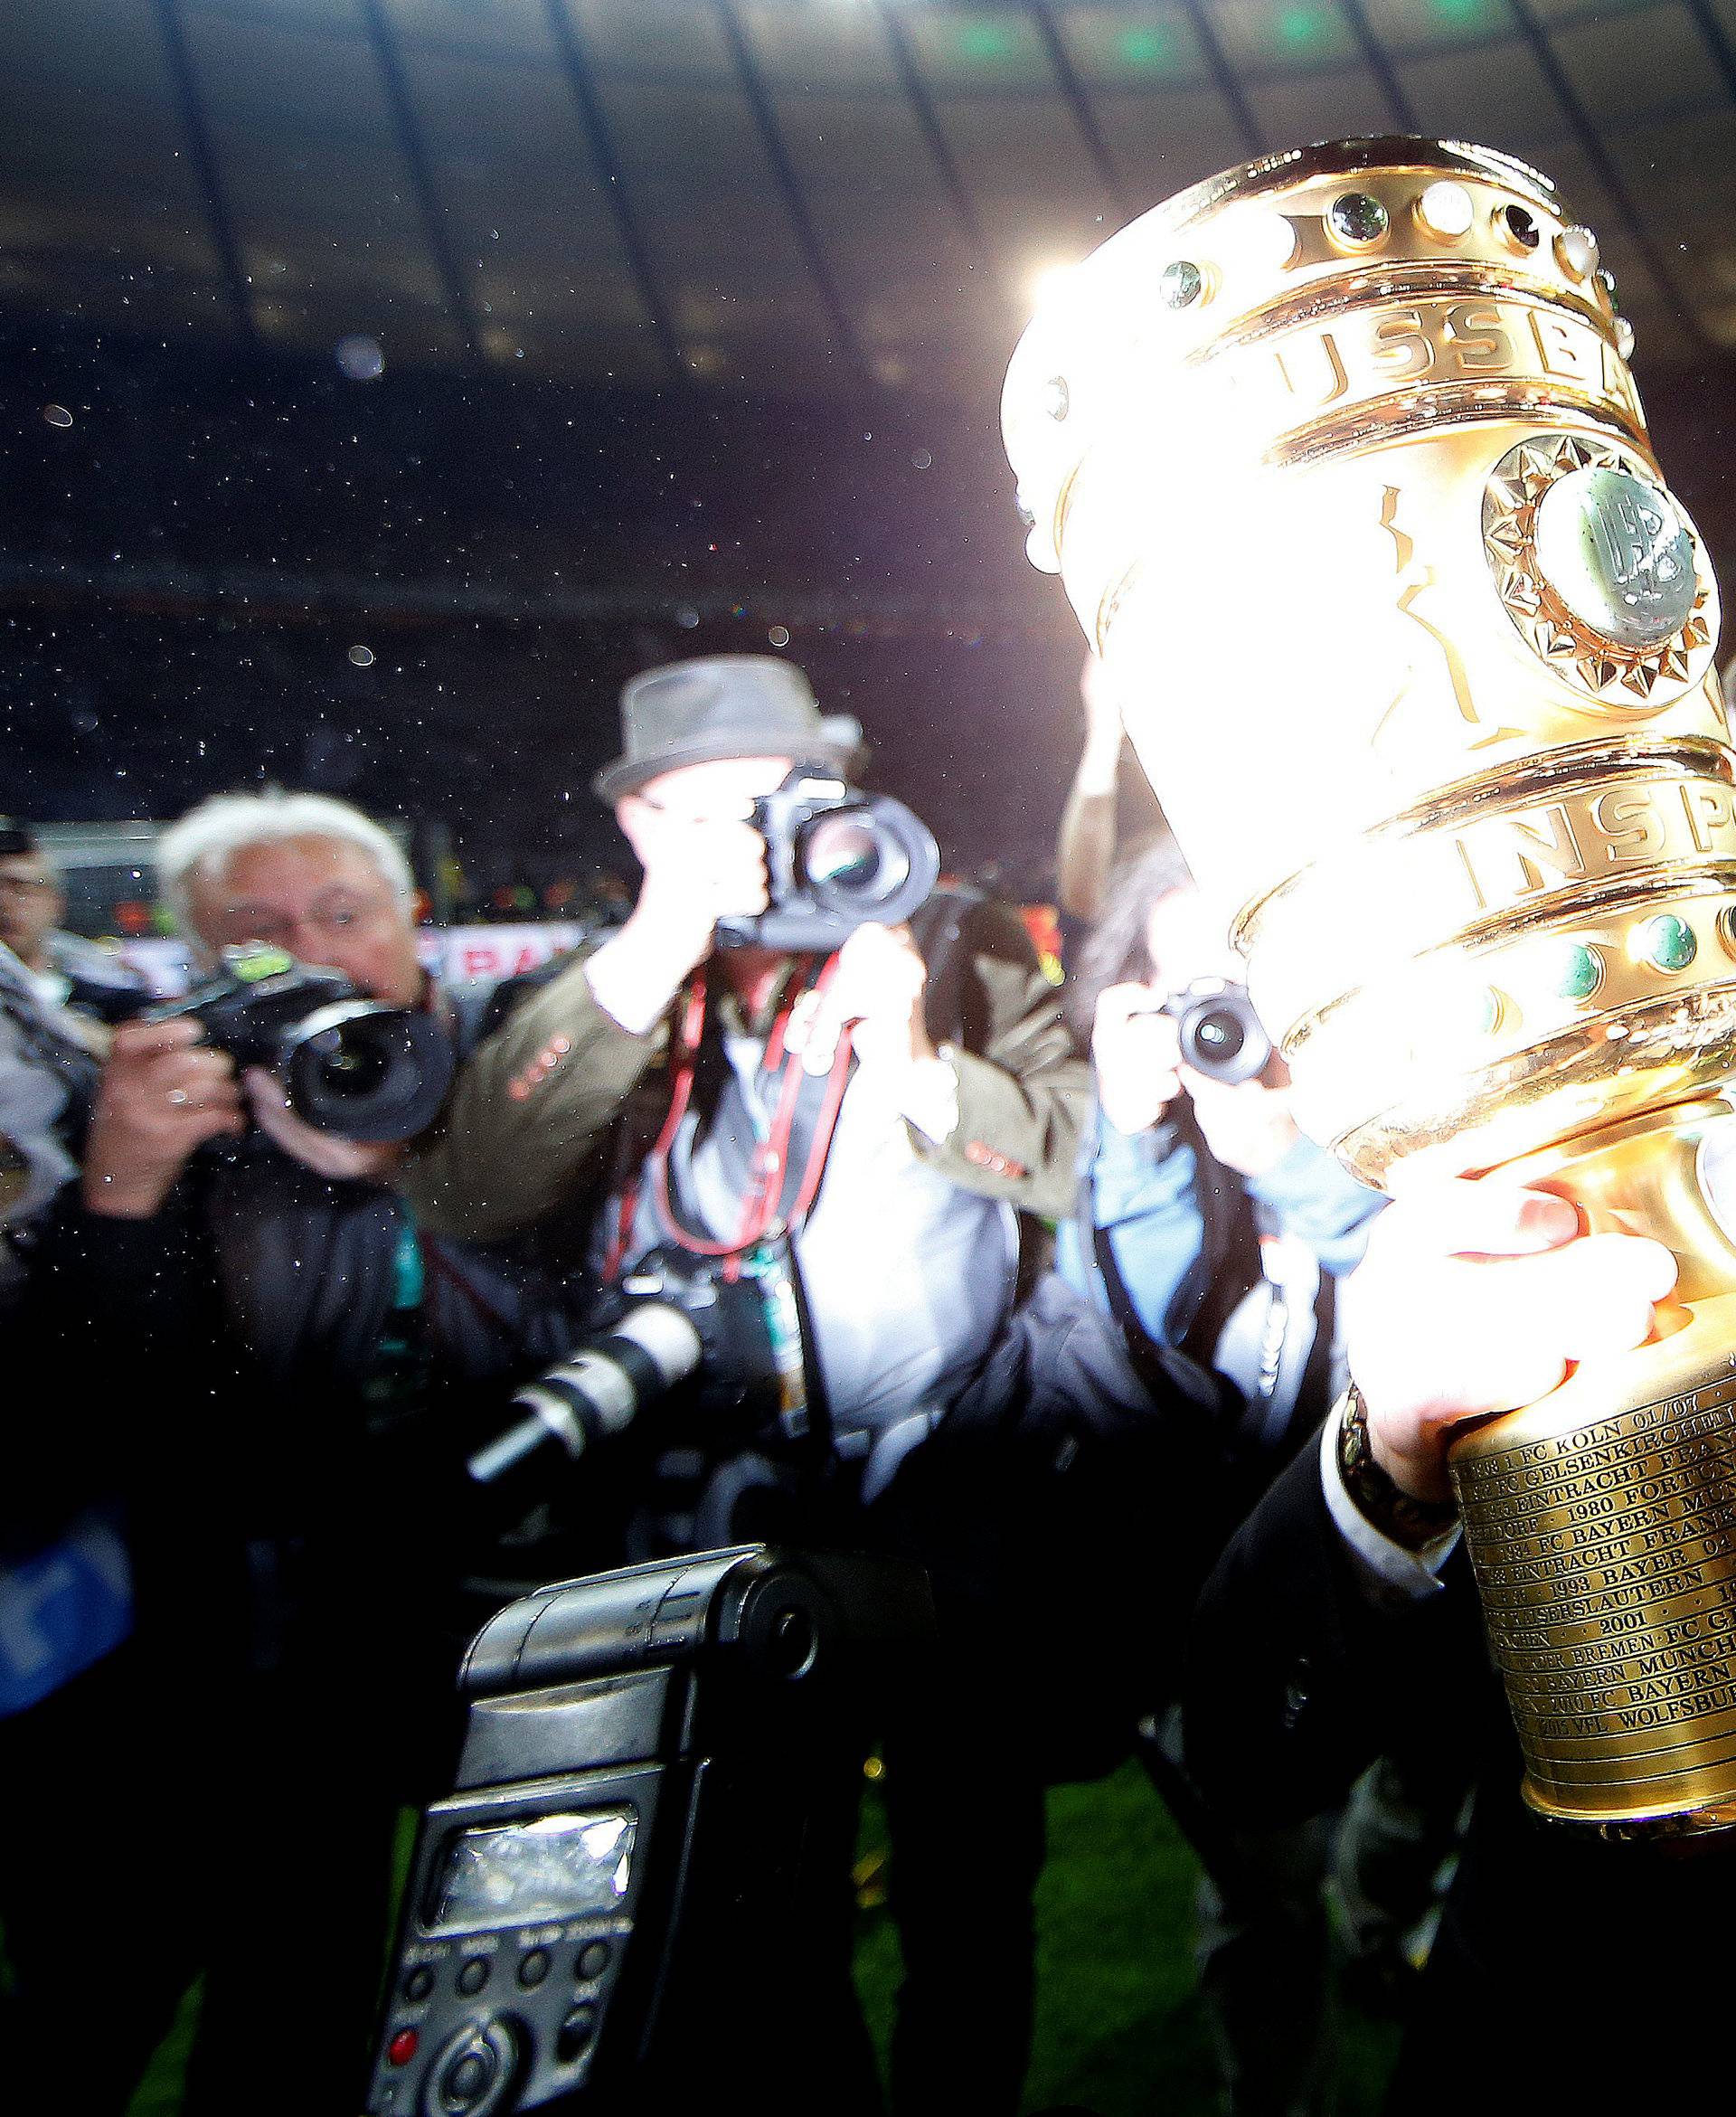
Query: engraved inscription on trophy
x=1598 y=568
x=1356 y=357
x=1515 y=857
x=1611 y=1594
x=1313 y=370
x=1459 y=338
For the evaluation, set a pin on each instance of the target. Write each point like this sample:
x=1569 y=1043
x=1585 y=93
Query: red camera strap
x=769 y=1165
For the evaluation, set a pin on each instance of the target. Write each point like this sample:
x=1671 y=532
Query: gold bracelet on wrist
x=1380 y=1503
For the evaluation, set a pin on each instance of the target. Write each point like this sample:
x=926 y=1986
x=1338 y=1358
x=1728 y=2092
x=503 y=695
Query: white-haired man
x=305 y=1354
x=309 y=874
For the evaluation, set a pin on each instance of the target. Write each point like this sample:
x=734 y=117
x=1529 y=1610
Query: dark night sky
x=188 y=564
x=529 y=204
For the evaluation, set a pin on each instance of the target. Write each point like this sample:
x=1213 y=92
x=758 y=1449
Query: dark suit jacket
x=1566 y=1967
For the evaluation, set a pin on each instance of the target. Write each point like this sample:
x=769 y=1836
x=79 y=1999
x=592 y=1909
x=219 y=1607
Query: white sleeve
x=33 y=1100
x=1386 y=1568
x=928 y=1098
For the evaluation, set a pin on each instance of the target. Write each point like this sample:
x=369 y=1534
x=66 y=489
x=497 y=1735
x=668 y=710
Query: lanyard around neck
x=759 y=1216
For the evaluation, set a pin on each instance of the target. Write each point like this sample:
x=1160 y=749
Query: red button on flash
x=402 y=2047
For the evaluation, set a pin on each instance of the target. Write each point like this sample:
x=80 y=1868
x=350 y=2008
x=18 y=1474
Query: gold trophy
x=1340 y=459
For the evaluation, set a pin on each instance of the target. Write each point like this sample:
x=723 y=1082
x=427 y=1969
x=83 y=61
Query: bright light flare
x=1048 y=286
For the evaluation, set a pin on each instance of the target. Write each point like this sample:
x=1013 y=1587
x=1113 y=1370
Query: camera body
x=637 y=1827
x=1219 y=1033
x=732 y=1339
x=836 y=859
x=348 y=1065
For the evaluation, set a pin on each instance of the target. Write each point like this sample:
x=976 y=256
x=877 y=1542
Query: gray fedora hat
x=723 y=706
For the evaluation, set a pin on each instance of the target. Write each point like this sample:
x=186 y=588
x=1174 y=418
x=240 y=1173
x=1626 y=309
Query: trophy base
x=1601 y=1520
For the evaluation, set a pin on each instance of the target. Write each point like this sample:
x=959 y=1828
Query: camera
x=733 y=1331
x=1219 y=1033
x=613 y=1909
x=836 y=859
x=346 y=1064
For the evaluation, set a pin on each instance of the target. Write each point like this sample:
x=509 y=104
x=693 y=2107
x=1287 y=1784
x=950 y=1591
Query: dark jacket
x=1298 y=1676
x=280 y=1374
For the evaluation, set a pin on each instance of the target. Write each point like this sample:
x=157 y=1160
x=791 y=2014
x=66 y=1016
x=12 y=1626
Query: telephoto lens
x=597 y=1391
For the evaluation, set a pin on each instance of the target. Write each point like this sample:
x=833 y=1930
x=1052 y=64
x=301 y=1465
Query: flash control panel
x=496 y=2013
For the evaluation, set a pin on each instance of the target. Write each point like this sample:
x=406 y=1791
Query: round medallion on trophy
x=1599 y=569
x=1618 y=553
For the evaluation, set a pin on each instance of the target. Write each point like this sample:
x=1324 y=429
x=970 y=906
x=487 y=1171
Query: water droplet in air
x=360 y=357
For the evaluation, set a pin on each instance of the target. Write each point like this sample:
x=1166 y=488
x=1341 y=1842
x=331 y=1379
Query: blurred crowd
x=1071 y=1336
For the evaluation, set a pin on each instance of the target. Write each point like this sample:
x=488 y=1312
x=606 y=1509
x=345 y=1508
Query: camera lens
x=795 y=1641
x=847 y=860
x=345 y=1069
x=1221 y=1036
x=1218 y=1035
x=837 y=859
x=367 y=1071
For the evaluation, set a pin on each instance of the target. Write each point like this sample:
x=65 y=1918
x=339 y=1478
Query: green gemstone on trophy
x=1357 y=216
x=1668 y=942
x=1616 y=552
x=1180 y=284
x=1579 y=972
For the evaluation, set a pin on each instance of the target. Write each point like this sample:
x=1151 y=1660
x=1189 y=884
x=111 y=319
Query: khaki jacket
x=527 y=1127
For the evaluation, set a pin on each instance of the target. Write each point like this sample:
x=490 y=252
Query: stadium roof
x=784 y=195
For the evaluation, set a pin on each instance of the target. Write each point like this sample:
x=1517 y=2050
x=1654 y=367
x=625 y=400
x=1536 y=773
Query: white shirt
x=1388 y=1570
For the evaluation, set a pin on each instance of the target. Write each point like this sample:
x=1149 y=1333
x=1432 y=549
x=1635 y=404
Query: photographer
x=1207 y=1220
x=274 y=1358
x=65 y=970
x=924 y=1151
x=881 y=1121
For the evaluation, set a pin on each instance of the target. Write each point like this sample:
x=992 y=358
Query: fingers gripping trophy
x=1340 y=459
